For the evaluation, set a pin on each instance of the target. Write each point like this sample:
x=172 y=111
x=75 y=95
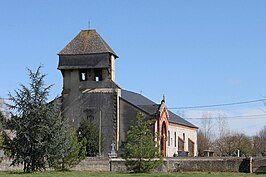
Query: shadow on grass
x=260 y=173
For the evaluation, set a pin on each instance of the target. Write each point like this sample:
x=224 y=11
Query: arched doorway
x=163 y=139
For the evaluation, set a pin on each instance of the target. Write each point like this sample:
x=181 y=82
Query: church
x=87 y=65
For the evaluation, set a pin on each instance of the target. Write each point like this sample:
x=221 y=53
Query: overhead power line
x=256 y=116
x=219 y=105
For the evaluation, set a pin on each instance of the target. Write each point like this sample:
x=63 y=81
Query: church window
x=83 y=75
x=191 y=147
x=175 y=139
x=169 y=143
x=184 y=136
x=181 y=144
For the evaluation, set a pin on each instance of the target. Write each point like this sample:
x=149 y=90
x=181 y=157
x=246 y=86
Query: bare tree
x=259 y=143
x=222 y=125
x=223 y=132
x=205 y=133
x=262 y=135
x=229 y=145
x=207 y=125
x=203 y=143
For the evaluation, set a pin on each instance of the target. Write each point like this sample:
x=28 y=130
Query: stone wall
x=215 y=164
x=208 y=164
x=258 y=165
x=93 y=164
x=88 y=164
x=194 y=164
x=118 y=165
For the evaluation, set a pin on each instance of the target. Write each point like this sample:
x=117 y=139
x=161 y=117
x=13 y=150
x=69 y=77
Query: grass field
x=109 y=174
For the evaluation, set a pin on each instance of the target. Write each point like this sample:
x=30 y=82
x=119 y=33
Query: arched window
x=184 y=136
x=168 y=139
x=175 y=139
x=83 y=75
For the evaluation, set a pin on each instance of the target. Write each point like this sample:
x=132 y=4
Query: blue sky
x=194 y=52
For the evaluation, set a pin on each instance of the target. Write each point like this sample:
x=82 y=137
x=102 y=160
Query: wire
x=257 y=116
x=219 y=105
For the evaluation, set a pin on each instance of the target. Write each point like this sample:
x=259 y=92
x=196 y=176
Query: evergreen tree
x=90 y=132
x=40 y=130
x=64 y=150
x=67 y=151
x=31 y=124
x=74 y=151
x=141 y=152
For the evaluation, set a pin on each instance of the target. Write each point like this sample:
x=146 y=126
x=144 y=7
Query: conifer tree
x=40 y=131
x=30 y=123
x=90 y=132
x=141 y=152
x=67 y=151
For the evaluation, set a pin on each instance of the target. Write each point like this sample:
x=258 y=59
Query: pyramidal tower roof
x=87 y=42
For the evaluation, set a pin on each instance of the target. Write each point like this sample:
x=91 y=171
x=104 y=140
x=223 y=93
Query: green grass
x=110 y=174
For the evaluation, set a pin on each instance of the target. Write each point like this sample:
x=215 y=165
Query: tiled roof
x=87 y=42
x=151 y=107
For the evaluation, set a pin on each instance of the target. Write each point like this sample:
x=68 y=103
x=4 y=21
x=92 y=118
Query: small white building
x=182 y=140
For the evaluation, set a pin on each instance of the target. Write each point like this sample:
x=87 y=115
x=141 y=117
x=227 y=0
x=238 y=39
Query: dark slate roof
x=135 y=98
x=151 y=107
x=179 y=120
x=87 y=42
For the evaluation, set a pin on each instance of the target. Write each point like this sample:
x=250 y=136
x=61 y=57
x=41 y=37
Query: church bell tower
x=87 y=65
